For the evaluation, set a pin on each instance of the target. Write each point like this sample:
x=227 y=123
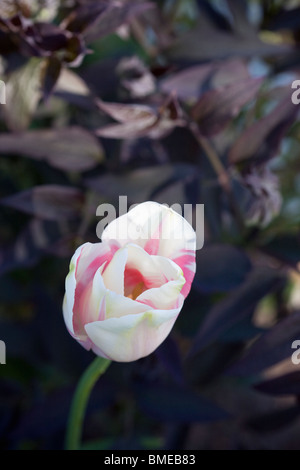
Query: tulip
x=124 y=294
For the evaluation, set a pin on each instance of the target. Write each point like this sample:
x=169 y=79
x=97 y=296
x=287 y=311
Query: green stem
x=80 y=400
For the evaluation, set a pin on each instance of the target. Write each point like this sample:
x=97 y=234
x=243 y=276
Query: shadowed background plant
x=176 y=101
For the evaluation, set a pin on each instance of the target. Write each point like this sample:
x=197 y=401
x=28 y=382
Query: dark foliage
x=184 y=102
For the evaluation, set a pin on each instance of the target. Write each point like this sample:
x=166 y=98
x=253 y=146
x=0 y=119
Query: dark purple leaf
x=241 y=23
x=216 y=108
x=69 y=149
x=168 y=354
x=285 y=19
x=140 y=120
x=208 y=42
x=261 y=141
x=221 y=268
x=140 y=185
x=49 y=37
x=48 y=202
x=176 y=404
x=272 y=347
x=285 y=248
x=51 y=75
x=236 y=306
x=136 y=120
x=128 y=112
x=37 y=238
x=85 y=16
x=191 y=82
x=274 y=420
x=114 y=17
x=288 y=384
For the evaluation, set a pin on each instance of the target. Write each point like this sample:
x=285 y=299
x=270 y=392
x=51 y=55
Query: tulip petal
x=113 y=275
x=69 y=298
x=155 y=227
x=164 y=297
x=94 y=255
x=141 y=262
x=131 y=337
x=118 y=306
x=159 y=230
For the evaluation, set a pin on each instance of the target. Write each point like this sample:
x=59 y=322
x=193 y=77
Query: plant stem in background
x=80 y=400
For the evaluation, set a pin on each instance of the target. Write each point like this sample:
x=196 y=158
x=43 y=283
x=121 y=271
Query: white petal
x=118 y=306
x=164 y=297
x=131 y=337
x=113 y=275
x=70 y=283
x=145 y=264
x=156 y=227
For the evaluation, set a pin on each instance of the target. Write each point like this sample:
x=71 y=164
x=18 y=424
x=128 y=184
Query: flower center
x=134 y=283
x=138 y=290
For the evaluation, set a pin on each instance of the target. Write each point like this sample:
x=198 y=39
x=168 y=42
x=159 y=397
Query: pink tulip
x=123 y=295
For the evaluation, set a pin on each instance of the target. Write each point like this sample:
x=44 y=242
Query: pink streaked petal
x=113 y=274
x=89 y=302
x=155 y=226
x=92 y=257
x=141 y=267
x=187 y=262
x=152 y=246
x=70 y=284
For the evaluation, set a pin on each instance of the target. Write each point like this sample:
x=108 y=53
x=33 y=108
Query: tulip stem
x=80 y=400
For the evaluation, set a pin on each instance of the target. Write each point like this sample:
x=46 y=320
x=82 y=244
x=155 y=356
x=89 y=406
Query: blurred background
x=177 y=101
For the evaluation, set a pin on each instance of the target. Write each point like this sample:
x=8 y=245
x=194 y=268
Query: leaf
x=176 y=404
x=191 y=82
x=127 y=112
x=73 y=89
x=274 y=420
x=69 y=149
x=114 y=17
x=221 y=268
x=285 y=248
x=236 y=306
x=168 y=354
x=23 y=93
x=138 y=120
x=288 y=384
x=49 y=202
x=140 y=185
x=36 y=239
x=272 y=347
x=216 y=108
x=261 y=140
x=51 y=75
x=216 y=43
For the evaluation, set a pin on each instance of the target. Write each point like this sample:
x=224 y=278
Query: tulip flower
x=124 y=294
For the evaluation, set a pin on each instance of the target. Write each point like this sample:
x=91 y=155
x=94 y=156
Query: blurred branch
x=220 y=170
